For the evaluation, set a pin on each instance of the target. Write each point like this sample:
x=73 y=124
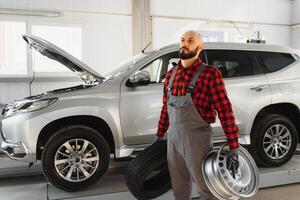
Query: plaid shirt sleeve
x=164 y=123
x=220 y=101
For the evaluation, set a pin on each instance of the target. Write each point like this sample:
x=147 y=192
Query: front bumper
x=18 y=151
x=20 y=135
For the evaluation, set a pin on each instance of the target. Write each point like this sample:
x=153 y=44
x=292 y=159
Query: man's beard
x=189 y=54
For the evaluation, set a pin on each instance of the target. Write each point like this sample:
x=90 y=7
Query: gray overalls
x=189 y=140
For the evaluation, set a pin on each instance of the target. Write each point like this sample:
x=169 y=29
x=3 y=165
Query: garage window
x=65 y=37
x=13 y=58
x=274 y=61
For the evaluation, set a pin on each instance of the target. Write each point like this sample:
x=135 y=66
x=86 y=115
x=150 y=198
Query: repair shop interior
x=149 y=99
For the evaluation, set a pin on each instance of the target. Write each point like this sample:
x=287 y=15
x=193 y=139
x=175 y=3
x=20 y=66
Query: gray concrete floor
x=111 y=187
x=18 y=182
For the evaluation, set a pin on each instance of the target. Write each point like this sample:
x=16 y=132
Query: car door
x=246 y=85
x=140 y=106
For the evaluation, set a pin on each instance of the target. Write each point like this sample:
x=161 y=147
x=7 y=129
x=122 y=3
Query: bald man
x=193 y=92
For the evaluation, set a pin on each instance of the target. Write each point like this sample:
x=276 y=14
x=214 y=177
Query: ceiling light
x=39 y=13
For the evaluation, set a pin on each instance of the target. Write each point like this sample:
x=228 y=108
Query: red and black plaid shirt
x=209 y=95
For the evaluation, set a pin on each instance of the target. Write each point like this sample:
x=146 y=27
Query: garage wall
x=107 y=29
x=268 y=16
x=295 y=29
x=104 y=44
x=106 y=39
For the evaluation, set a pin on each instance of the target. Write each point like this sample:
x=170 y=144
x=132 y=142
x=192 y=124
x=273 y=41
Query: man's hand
x=233 y=161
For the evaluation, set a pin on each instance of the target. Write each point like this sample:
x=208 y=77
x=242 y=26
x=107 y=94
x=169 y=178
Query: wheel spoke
x=86 y=174
x=276 y=153
x=90 y=165
x=68 y=146
x=70 y=172
x=77 y=171
x=273 y=149
x=91 y=150
x=61 y=161
x=280 y=132
x=282 y=151
x=268 y=135
x=277 y=127
x=272 y=132
x=269 y=147
x=76 y=145
x=63 y=154
x=95 y=158
x=267 y=142
x=64 y=168
x=284 y=146
x=85 y=144
x=287 y=134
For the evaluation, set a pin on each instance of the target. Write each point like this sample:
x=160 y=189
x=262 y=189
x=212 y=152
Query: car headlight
x=24 y=106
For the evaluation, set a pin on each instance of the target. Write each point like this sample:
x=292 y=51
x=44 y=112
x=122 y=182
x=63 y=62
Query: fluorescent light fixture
x=39 y=13
x=228 y=24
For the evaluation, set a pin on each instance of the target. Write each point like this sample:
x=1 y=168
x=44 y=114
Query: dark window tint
x=231 y=63
x=273 y=61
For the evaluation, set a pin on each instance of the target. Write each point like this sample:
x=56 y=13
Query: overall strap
x=194 y=80
x=172 y=78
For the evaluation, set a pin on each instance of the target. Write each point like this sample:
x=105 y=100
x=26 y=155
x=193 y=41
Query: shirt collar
x=196 y=63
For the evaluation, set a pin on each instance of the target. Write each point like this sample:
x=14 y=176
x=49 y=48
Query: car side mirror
x=140 y=77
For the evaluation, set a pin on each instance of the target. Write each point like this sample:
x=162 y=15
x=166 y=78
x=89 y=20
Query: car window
x=232 y=63
x=159 y=67
x=273 y=61
x=153 y=68
x=123 y=67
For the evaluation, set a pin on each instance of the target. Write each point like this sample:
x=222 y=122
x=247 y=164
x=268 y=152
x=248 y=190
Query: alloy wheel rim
x=277 y=141
x=76 y=160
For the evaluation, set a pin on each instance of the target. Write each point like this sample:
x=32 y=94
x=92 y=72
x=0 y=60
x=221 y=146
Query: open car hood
x=48 y=49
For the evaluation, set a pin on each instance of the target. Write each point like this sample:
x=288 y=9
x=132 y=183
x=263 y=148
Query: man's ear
x=199 y=49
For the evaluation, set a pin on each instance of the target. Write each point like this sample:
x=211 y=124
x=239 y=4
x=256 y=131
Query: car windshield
x=123 y=67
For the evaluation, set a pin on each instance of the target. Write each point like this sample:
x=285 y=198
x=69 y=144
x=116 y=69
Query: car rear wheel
x=273 y=140
x=75 y=157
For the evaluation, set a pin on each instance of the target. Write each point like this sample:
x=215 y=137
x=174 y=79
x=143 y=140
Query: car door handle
x=258 y=88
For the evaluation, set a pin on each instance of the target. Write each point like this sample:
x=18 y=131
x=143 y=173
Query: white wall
x=271 y=17
x=295 y=29
x=166 y=31
x=106 y=36
x=106 y=26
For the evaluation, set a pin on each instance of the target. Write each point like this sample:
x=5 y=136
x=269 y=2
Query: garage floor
x=33 y=186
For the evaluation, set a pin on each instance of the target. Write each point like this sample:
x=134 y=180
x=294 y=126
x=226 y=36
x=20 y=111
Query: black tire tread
x=140 y=165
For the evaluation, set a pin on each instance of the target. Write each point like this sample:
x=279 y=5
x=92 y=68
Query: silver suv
x=73 y=131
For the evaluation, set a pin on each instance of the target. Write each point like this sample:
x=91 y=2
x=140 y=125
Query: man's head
x=191 y=44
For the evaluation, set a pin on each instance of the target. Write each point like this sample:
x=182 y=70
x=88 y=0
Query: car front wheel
x=75 y=157
x=273 y=140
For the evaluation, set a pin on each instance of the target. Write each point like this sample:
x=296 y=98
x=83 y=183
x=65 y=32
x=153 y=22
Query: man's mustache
x=183 y=48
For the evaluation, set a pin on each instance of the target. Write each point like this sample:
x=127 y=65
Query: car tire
x=147 y=176
x=75 y=157
x=271 y=132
